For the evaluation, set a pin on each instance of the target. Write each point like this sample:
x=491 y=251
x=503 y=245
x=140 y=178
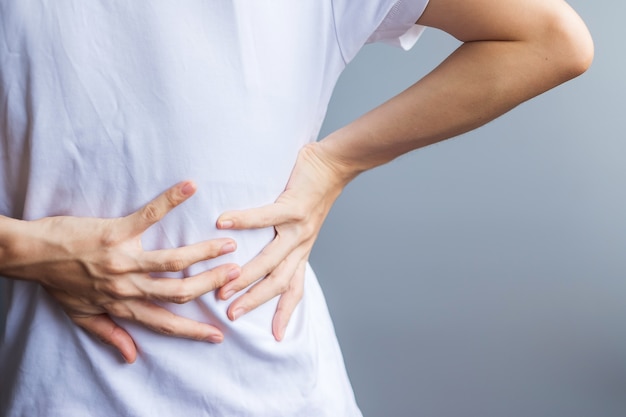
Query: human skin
x=96 y=268
x=512 y=51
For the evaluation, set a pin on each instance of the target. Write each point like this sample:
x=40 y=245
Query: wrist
x=339 y=170
x=25 y=248
x=13 y=243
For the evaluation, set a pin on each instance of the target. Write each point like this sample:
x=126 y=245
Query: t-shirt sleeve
x=390 y=21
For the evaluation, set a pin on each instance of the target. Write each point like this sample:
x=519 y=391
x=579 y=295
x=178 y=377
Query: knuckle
x=113 y=265
x=181 y=298
x=151 y=213
x=120 y=289
x=182 y=294
x=119 y=310
x=173 y=265
x=166 y=328
x=109 y=238
x=281 y=286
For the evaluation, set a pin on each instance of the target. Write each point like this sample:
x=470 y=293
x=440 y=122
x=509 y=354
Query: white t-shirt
x=105 y=104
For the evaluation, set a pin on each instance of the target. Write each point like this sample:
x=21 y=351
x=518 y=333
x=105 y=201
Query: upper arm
x=472 y=20
x=552 y=26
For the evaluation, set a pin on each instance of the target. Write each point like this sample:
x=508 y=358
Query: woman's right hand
x=97 y=269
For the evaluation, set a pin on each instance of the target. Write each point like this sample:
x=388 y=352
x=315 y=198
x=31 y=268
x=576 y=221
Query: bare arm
x=513 y=50
x=96 y=268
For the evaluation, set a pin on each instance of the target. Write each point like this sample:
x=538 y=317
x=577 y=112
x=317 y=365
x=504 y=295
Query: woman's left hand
x=297 y=217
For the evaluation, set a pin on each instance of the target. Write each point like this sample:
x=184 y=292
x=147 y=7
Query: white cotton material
x=104 y=104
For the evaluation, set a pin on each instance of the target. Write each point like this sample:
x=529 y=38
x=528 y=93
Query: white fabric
x=106 y=103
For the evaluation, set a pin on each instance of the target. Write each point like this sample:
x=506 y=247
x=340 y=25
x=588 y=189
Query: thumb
x=255 y=218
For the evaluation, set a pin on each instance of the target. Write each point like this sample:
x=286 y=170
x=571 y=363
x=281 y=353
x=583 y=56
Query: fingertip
x=125 y=345
x=130 y=353
x=228 y=247
x=187 y=188
x=105 y=329
x=216 y=338
x=130 y=357
x=277 y=330
x=235 y=312
x=277 y=335
x=225 y=223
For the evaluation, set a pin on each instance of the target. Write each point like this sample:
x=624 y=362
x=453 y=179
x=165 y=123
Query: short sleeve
x=390 y=21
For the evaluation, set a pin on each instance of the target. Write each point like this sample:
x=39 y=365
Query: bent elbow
x=571 y=44
x=580 y=51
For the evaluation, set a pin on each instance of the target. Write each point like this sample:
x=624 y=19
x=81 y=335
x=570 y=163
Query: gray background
x=486 y=276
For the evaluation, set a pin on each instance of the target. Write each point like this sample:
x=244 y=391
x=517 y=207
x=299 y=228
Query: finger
x=264 y=263
x=274 y=284
x=288 y=303
x=137 y=222
x=183 y=290
x=110 y=333
x=163 y=321
x=256 y=218
x=172 y=260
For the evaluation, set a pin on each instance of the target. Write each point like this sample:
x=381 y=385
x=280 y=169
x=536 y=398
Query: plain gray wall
x=486 y=276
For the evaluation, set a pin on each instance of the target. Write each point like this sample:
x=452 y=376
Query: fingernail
x=215 y=338
x=231 y=275
x=238 y=312
x=227 y=248
x=225 y=224
x=229 y=294
x=188 y=188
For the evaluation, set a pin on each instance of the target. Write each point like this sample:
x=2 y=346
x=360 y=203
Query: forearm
x=13 y=245
x=33 y=250
x=477 y=83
